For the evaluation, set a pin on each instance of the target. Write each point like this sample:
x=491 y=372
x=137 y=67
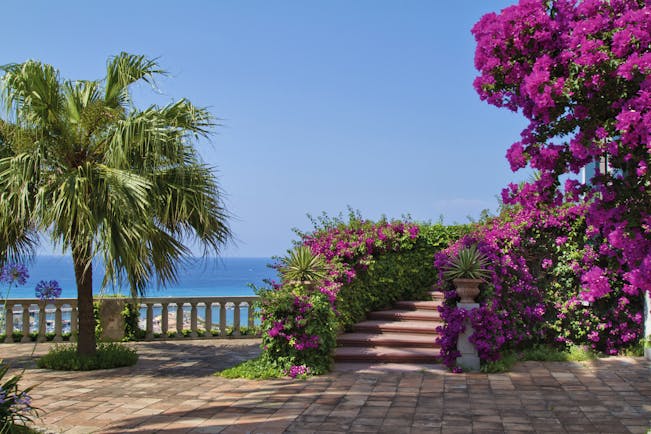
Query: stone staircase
x=404 y=334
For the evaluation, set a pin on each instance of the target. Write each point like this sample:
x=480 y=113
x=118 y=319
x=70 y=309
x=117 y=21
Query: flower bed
x=535 y=293
x=368 y=265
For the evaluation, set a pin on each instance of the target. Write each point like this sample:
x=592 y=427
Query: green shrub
x=131 y=315
x=369 y=265
x=405 y=274
x=540 y=353
x=109 y=355
x=301 y=329
x=261 y=368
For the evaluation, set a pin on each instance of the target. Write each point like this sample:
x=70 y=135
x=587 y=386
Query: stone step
x=436 y=295
x=387 y=340
x=387 y=354
x=405 y=315
x=418 y=305
x=383 y=326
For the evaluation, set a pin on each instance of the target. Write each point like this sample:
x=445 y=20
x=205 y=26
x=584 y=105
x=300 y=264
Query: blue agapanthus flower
x=14 y=273
x=48 y=290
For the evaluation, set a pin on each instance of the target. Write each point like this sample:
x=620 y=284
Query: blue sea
x=199 y=277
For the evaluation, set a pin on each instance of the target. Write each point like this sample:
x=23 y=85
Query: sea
x=211 y=277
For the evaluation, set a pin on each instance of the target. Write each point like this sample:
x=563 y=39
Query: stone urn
x=467 y=289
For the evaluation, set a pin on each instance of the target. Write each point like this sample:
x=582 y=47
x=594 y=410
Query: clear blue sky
x=322 y=104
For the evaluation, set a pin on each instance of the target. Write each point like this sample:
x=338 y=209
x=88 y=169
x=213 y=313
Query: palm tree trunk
x=86 y=345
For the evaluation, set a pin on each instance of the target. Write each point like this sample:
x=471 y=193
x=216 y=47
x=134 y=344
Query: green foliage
x=131 y=315
x=570 y=321
x=109 y=355
x=504 y=364
x=636 y=350
x=261 y=368
x=469 y=263
x=540 y=353
x=17 y=336
x=301 y=328
x=15 y=405
x=369 y=265
x=405 y=274
x=302 y=266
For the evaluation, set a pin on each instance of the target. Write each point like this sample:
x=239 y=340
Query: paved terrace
x=171 y=390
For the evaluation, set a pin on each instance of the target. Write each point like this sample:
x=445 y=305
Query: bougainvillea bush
x=580 y=72
x=534 y=294
x=369 y=265
x=299 y=329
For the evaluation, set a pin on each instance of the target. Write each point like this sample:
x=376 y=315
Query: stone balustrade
x=160 y=318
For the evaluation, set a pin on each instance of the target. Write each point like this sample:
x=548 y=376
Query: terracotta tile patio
x=171 y=390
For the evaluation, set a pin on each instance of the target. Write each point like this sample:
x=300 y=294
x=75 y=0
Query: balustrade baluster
x=193 y=320
x=9 y=322
x=179 y=319
x=26 y=337
x=58 y=323
x=74 y=328
x=41 y=322
x=222 y=318
x=208 y=318
x=250 y=316
x=164 y=319
x=236 y=318
x=150 y=321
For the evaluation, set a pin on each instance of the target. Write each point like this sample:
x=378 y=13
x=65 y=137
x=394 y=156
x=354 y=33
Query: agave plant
x=469 y=263
x=303 y=266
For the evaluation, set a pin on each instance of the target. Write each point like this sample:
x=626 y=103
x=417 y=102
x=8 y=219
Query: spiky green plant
x=303 y=266
x=469 y=263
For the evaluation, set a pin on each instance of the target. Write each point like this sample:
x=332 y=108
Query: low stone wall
x=160 y=318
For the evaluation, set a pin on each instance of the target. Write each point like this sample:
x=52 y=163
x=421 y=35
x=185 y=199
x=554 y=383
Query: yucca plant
x=469 y=263
x=303 y=266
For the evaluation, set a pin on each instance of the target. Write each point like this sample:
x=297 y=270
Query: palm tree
x=102 y=179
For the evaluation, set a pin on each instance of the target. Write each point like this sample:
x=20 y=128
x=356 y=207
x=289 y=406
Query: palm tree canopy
x=80 y=163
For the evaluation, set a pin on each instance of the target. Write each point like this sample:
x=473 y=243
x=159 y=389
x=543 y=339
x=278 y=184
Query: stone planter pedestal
x=111 y=319
x=469 y=359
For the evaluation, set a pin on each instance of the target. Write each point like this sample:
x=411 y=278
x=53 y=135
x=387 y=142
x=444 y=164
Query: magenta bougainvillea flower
x=579 y=72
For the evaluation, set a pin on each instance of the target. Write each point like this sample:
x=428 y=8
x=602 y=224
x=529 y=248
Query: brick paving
x=171 y=390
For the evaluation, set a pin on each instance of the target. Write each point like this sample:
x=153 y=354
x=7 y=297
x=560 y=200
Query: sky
x=322 y=105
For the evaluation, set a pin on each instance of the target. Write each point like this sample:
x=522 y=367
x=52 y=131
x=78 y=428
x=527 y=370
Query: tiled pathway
x=171 y=390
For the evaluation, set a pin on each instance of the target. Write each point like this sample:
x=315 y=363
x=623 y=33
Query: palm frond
x=188 y=202
x=32 y=92
x=79 y=95
x=156 y=135
x=125 y=69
